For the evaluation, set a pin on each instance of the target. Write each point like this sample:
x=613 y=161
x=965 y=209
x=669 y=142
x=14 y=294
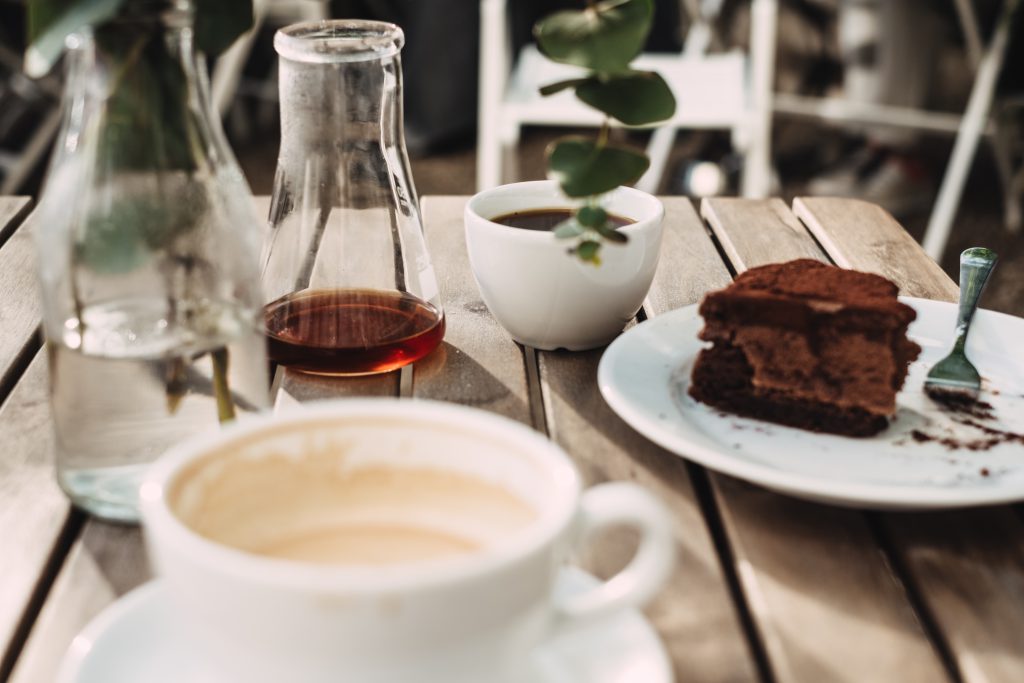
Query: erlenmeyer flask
x=346 y=272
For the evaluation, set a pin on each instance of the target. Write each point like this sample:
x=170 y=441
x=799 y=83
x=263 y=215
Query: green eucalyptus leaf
x=589 y=250
x=552 y=88
x=114 y=240
x=592 y=216
x=120 y=237
x=604 y=37
x=50 y=22
x=220 y=22
x=635 y=98
x=568 y=229
x=217 y=24
x=147 y=125
x=583 y=168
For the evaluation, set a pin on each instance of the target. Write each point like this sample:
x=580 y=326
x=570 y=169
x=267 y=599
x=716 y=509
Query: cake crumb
x=920 y=437
x=963 y=404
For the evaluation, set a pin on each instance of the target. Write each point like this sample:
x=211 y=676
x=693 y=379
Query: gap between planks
x=808 y=569
x=697 y=612
x=963 y=564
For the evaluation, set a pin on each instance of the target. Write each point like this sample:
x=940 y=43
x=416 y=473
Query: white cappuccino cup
x=384 y=541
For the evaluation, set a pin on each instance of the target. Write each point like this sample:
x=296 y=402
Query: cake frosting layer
x=807 y=339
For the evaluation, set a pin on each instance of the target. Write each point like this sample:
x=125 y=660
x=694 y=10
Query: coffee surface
x=368 y=544
x=547 y=219
x=313 y=509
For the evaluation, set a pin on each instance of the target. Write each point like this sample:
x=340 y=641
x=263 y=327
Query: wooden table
x=768 y=588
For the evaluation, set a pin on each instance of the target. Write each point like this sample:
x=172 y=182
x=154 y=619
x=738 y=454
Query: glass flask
x=346 y=273
x=148 y=251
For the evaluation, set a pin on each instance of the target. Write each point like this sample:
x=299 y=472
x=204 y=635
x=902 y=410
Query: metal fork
x=955 y=377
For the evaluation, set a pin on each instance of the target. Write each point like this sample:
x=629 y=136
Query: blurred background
x=916 y=105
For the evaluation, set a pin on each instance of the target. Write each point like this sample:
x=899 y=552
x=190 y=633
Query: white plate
x=138 y=639
x=645 y=373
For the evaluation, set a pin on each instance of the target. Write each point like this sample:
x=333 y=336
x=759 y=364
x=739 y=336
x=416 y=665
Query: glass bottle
x=346 y=273
x=148 y=245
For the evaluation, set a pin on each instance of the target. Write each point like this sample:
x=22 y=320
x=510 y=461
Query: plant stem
x=604 y=133
x=225 y=406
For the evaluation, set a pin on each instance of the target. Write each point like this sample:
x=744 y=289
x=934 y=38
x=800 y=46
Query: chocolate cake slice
x=808 y=345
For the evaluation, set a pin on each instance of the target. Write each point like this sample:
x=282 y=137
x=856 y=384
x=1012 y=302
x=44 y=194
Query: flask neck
x=333 y=106
x=340 y=85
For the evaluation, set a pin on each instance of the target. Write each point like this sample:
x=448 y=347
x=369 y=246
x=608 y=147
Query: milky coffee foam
x=315 y=509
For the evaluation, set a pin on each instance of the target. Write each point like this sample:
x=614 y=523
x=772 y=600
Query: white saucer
x=137 y=639
x=645 y=374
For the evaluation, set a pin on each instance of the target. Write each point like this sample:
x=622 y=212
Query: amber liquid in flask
x=351 y=331
x=347 y=277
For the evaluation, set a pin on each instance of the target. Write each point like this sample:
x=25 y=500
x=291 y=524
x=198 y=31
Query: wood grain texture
x=826 y=602
x=754 y=232
x=694 y=613
x=19 y=307
x=968 y=571
x=106 y=562
x=12 y=212
x=298 y=387
x=968 y=566
x=478 y=364
x=690 y=265
x=33 y=509
x=860 y=235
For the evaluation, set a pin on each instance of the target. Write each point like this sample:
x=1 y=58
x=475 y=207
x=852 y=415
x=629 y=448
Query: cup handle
x=614 y=504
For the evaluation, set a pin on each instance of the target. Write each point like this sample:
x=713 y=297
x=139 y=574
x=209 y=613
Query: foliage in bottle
x=150 y=125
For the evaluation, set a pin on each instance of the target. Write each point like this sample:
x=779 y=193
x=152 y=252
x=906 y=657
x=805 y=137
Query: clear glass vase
x=346 y=273
x=148 y=245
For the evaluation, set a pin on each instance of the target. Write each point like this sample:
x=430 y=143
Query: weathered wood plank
x=808 y=606
x=690 y=265
x=12 y=212
x=826 y=602
x=478 y=364
x=860 y=235
x=694 y=613
x=19 y=313
x=750 y=231
x=33 y=509
x=968 y=566
x=107 y=562
x=298 y=387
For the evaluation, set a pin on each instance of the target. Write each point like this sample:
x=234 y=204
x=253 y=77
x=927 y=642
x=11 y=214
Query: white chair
x=988 y=64
x=968 y=128
x=730 y=91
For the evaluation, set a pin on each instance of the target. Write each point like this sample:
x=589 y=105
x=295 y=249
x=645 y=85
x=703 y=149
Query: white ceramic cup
x=467 y=618
x=546 y=298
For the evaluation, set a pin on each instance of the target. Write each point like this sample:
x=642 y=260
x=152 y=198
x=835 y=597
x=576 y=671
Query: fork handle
x=976 y=265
